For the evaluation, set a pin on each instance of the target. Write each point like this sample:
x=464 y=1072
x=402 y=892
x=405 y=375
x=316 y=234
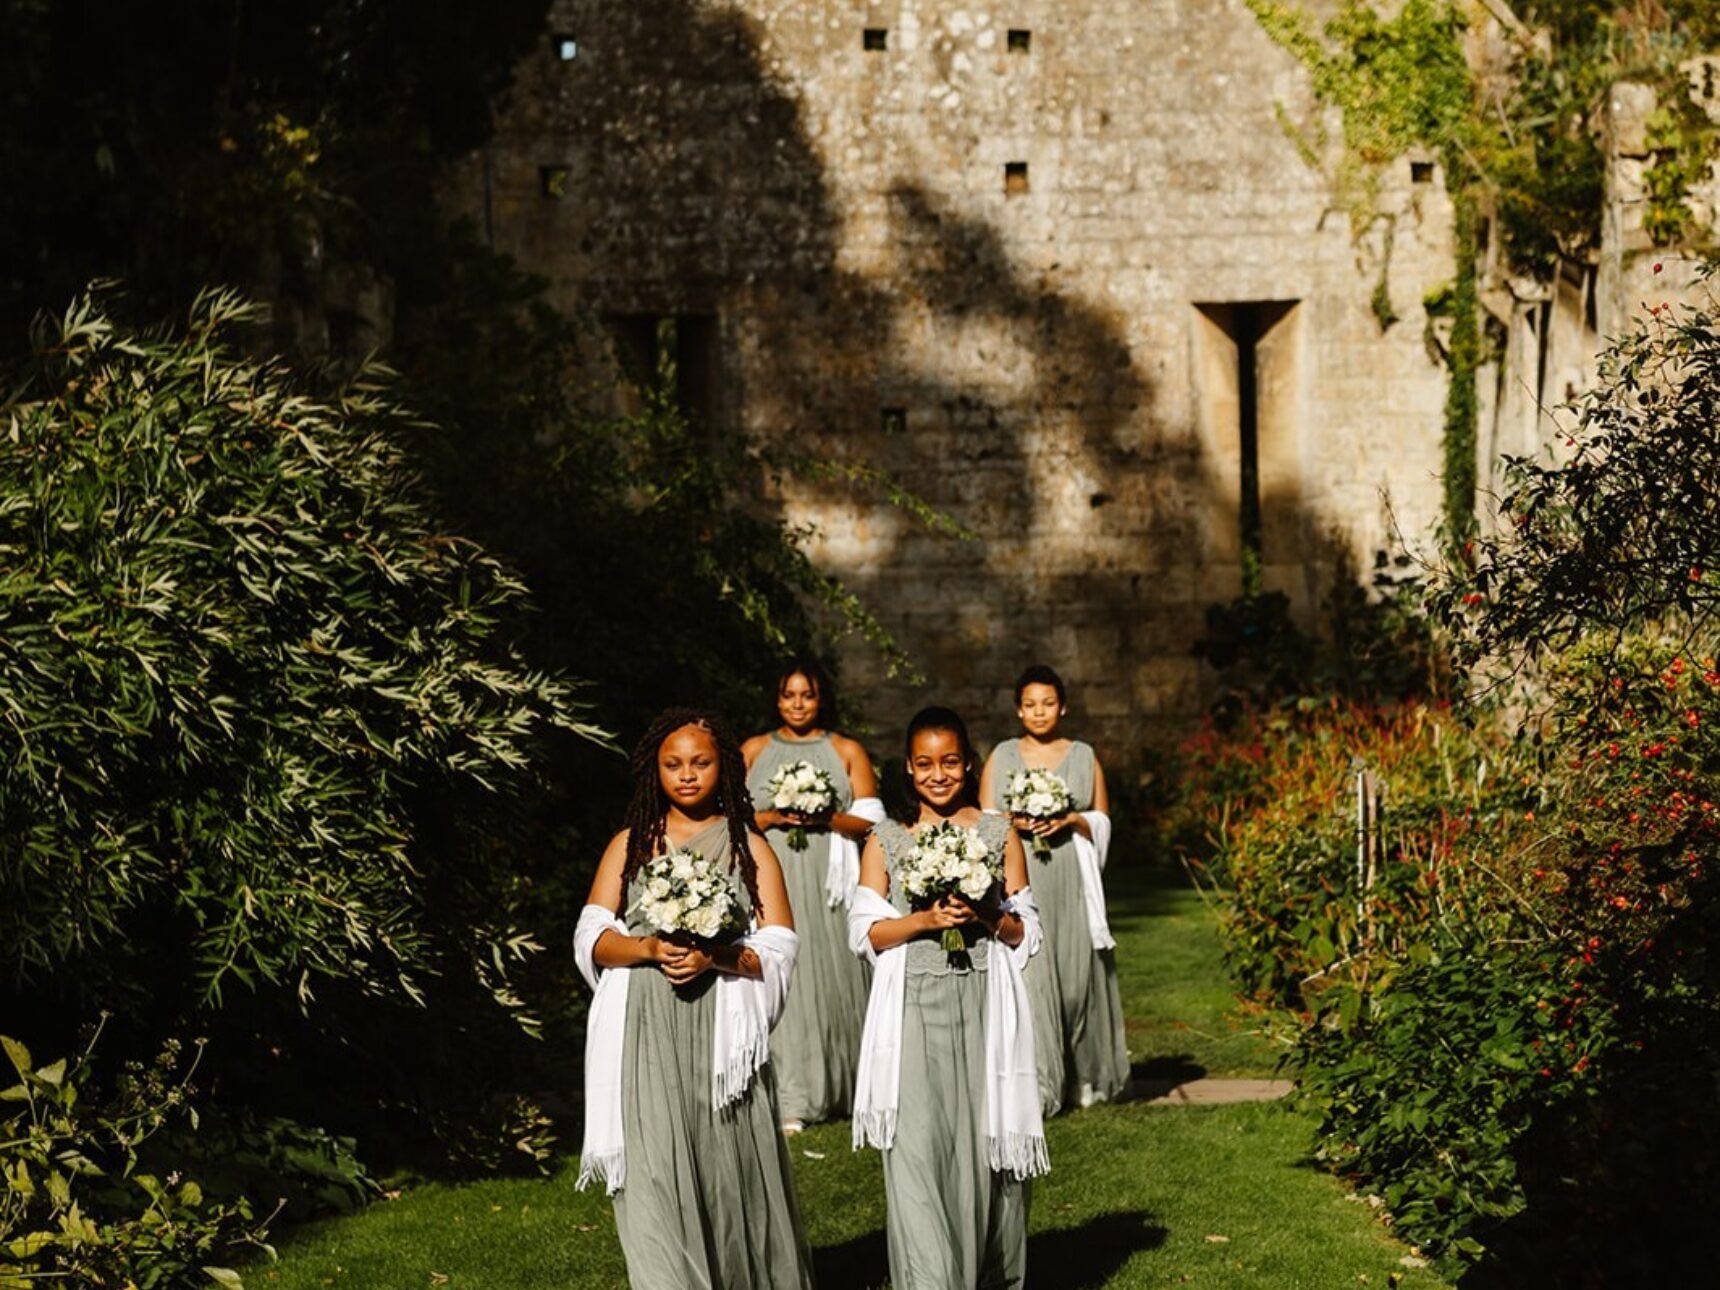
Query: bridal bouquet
x=1039 y=795
x=949 y=860
x=801 y=786
x=688 y=895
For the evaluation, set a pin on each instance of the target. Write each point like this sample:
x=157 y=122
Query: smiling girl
x=816 y=1046
x=1077 y=1009
x=681 y=1111
x=946 y=1086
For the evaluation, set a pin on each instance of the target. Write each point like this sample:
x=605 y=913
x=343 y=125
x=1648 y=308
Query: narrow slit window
x=1249 y=409
x=1015 y=178
x=875 y=40
x=566 y=48
x=552 y=181
x=1020 y=40
x=895 y=420
x=1421 y=172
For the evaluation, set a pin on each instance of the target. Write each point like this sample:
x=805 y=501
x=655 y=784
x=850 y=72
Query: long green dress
x=1077 y=1008
x=815 y=1048
x=709 y=1200
x=953 y=1223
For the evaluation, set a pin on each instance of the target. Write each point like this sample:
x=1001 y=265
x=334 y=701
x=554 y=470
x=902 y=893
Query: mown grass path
x=1138 y=1196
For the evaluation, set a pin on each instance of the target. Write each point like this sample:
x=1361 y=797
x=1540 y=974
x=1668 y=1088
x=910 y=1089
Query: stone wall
x=1051 y=356
x=1548 y=336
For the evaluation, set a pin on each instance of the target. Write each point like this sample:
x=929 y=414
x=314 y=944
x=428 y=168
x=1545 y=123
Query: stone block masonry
x=1025 y=277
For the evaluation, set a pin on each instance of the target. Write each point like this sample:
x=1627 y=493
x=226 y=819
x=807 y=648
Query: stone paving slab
x=1212 y=1092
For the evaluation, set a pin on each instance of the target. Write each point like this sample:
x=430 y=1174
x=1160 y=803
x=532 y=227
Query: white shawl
x=842 y=874
x=1090 y=854
x=747 y=1009
x=1015 y=1131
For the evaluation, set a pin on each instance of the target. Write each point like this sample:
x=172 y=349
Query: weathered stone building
x=1056 y=264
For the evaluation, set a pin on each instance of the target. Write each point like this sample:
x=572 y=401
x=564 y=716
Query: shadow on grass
x=1148 y=890
x=1072 y=1258
x=1088 y=1256
x=1169 y=1071
x=858 y=1264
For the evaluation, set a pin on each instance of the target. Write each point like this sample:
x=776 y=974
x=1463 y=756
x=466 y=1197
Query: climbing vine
x=1683 y=142
x=1518 y=150
x=1463 y=356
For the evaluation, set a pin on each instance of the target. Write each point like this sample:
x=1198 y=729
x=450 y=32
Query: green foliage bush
x=77 y=1210
x=269 y=740
x=1506 y=1028
x=307 y=1171
x=1518 y=146
x=1372 y=642
x=237 y=652
x=1279 y=796
x=1429 y=1099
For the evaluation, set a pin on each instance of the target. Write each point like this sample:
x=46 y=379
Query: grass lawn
x=1138 y=1195
x=1183 y=1020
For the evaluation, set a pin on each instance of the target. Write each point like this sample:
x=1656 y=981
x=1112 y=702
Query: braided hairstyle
x=647 y=812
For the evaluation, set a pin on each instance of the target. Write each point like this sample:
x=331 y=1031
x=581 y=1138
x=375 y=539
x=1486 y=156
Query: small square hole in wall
x=552 y=181
x=1421 y=172
x=566 y=48
x=1015 y=177
x=1020 y=40
x=875 y=39
x=895 y=420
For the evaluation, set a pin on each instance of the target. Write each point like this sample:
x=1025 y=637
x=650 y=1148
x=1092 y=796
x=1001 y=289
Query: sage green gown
x=953 y=1223
x=709 y=1199
x=1077 y=1007
x=815 y=1048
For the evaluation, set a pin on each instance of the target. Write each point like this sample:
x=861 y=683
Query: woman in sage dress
x=959 y=1119
x=703 y=1192
x=1077 y=1009
x=816 y=1045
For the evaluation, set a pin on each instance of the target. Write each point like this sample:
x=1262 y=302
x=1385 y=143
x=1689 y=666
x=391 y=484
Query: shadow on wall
x=694 y=190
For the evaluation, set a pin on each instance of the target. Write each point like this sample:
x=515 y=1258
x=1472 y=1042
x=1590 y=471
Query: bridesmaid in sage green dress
x=953 y=1222
x=709 y=1198
x=816 y=1045
x=1077 y=1007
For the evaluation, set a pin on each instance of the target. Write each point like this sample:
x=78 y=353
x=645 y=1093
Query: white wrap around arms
x=747 y=1009
x=842 y=874
x=1091 y=854
x=1015 y=1131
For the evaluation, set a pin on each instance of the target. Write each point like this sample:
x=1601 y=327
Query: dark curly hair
x=936 y=718
x=1041 y=674
x=646 y=813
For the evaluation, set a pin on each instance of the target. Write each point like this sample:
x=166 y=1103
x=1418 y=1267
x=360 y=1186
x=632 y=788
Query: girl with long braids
x=680 y=1103
x=816 y=1046
x=1077 y=1007
x=946 y=1087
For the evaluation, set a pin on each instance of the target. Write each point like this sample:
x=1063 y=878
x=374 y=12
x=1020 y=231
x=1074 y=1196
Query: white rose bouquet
x=804 y=788
x=686 y=895
x=1039 y=795
x=949 y=860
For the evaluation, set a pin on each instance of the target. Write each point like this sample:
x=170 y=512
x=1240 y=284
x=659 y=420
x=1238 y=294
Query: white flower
x=1040 y=794
x=706 y=922
x=682 y=891
x=801 y=786
x=977 y=883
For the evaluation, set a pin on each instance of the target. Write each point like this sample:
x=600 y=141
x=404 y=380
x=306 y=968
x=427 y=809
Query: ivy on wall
x=1519 y=150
